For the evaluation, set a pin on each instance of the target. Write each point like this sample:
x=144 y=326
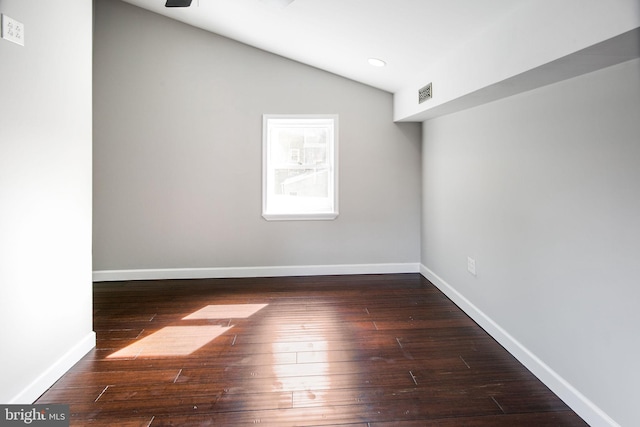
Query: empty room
x=320 y=212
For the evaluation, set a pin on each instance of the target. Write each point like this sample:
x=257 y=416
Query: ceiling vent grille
x=424 y=93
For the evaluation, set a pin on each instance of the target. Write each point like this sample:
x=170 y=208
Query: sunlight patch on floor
x=226 y=311
x=183 y=339
x=171 y=341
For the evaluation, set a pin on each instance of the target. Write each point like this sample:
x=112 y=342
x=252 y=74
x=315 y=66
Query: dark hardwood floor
x=370 y=350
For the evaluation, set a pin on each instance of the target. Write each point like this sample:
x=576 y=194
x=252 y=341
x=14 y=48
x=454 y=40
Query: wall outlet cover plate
x=471 y=265
x=12 y=30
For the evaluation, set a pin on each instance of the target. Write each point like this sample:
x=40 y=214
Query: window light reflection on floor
x=308 y=379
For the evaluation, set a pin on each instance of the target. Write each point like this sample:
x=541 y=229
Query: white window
x=300 y=167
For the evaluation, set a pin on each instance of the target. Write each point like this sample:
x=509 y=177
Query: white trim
x=52 y=374
x=267 y=271
x=273 y=211
x=301 y=217
x=580 y=404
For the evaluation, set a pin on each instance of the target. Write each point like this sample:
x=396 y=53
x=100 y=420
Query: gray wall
x=45 y=196
x=177 y=154
x=543 y=190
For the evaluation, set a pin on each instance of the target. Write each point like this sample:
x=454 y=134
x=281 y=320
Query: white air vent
x=424 y=93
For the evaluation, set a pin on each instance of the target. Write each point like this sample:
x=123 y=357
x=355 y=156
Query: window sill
x=329 y=216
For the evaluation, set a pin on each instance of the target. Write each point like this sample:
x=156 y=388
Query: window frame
x=268 y=213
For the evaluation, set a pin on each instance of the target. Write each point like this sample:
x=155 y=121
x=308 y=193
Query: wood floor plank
x=363 y=350
x=121 y=422
x=539 y=419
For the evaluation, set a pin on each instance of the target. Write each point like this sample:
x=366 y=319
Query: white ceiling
x=340 y=35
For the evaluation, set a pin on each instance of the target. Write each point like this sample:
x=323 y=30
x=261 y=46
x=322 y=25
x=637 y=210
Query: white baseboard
x=580 y=404
x=229 y=272
x=41 y=384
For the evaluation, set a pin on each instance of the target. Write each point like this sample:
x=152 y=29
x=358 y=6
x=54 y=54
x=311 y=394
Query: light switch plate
x=12 y=30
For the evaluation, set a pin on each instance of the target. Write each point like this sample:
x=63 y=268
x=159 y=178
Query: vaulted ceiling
x=341 y=35
x=465 y=47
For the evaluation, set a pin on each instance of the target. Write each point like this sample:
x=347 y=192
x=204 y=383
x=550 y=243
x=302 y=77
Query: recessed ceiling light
x=278 y=3
x=377 y=62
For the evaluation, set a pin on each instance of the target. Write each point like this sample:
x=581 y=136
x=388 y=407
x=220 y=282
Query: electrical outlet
x=12 y=30
x=471 y=265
